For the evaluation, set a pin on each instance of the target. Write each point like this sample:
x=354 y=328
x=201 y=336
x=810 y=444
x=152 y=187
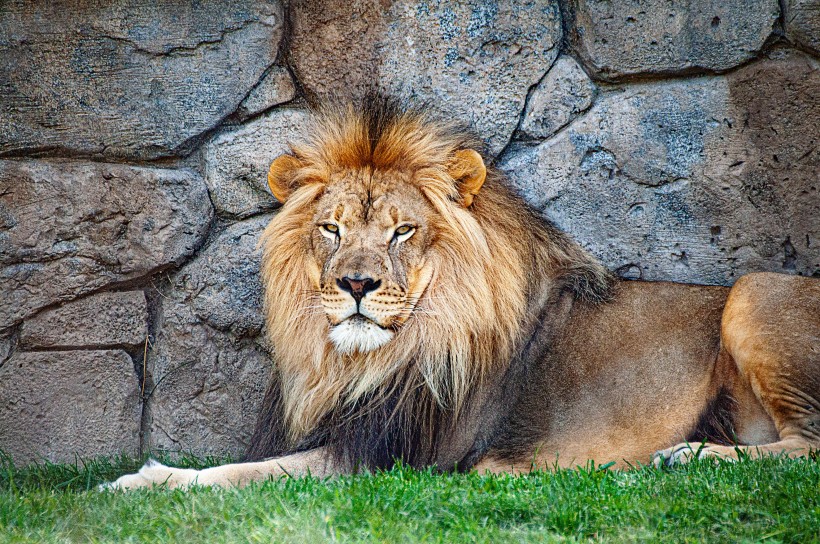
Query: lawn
x=774 y=500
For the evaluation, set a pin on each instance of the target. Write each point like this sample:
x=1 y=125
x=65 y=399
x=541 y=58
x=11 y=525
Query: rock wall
x=676 y=140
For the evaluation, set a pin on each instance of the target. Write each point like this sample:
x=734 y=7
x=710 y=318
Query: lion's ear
x=282 y=175
x=467 y=168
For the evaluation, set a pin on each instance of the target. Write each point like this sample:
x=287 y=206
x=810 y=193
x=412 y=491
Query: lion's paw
x=685 y=452
x=154 y=473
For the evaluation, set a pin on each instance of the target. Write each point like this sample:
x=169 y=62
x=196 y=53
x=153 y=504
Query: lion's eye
x=404 y=232
x=330 y=231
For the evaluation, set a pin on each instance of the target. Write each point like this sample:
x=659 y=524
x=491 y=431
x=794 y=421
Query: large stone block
x=237 y=162
x=98 y=321
x=802 y=18
x=209 y=363
x=130 y=79
x=475 y=60
x=697 y=180
x=58 y=404
x=630 y=37
x=70 y=228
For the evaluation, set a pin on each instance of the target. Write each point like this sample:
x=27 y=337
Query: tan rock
x=98 y=321
x=473 y=61
x=55 y=405
x=70 y=228
x=275 y=88
x=632 y=37
x=237 y=161
x=209 y=362
x=130 y=79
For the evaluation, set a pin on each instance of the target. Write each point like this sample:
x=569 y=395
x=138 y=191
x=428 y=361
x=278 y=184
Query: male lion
x=421 y=311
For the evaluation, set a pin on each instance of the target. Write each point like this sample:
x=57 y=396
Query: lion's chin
x=356 y=334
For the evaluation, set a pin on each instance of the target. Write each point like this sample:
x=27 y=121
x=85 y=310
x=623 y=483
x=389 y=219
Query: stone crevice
x=230 y=121
x=8 y=344
x=514 y=135
x=780 y=25
x=774 y=38
x=185 y=49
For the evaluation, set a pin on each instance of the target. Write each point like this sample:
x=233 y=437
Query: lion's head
x=400 y=265
x=374 y=235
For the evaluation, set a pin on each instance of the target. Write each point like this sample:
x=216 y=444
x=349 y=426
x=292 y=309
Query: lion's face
x=370 y=237
x=367 y=219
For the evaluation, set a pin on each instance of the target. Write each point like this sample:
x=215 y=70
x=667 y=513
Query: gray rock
x=802 y=18
x=618 y=39
x=698 y=180
x=222 y=283
x=237 y=162
x=474 y=60
x=564 y=93
x=100 y=321
x=54 y=405
x=71 y=228
x=130 y=79
x=275 y=88
x=209 y=363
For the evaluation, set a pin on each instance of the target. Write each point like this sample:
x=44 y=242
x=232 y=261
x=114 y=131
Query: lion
x=420 y=312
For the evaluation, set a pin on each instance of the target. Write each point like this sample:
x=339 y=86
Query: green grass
x=773 y=500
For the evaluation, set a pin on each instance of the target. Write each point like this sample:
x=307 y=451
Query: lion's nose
x=358 y=287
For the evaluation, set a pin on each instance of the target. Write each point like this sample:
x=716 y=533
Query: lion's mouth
x=362 y=319
x=358 y=333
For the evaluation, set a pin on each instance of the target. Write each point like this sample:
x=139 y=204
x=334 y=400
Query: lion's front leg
x=315 y=462
x=154 y=473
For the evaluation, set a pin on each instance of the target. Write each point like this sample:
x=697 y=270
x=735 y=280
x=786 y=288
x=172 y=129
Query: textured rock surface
x=131 y=79
x=698 y=180
x=564 y=93
x=474 y=60
x=98 y=321
x=54 y=405
x=275 y=88
x=69 y=228
x=617 y=39
x=208 y=364
x=802 y=18
x=237 y=162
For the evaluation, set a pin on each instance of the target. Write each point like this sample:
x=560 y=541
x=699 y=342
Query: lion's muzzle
x=358 y=313
x=358 y=287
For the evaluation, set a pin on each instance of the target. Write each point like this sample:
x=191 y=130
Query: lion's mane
x=496 y=265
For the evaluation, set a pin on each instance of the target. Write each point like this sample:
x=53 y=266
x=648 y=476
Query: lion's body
x=460 y=329
x=624 y=380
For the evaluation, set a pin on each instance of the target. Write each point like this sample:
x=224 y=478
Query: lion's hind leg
x=686 y=451
x=770 y=334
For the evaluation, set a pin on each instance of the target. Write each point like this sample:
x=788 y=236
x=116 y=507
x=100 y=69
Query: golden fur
x=420 y=311
x=461 y=331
